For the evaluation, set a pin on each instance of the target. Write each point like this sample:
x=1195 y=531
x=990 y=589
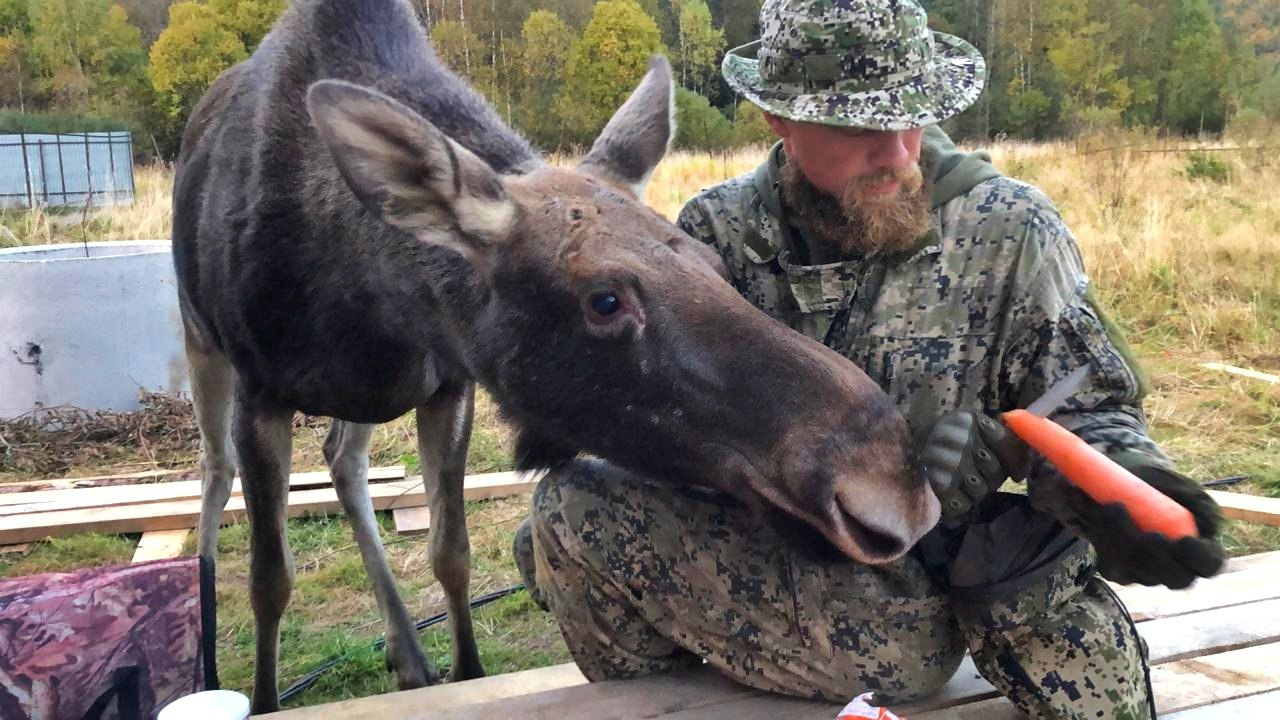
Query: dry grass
x=147 y=218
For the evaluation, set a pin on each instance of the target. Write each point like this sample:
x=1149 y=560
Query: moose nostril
x=875 y=542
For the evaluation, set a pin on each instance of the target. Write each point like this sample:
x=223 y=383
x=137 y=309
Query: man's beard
x=861 y=221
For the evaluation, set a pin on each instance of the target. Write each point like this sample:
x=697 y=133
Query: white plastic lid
x=207 y=705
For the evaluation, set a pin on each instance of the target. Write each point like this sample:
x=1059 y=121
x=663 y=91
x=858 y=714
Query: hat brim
x=949 y=85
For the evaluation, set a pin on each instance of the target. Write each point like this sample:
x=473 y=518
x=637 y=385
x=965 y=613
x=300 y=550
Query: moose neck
x=338 y=42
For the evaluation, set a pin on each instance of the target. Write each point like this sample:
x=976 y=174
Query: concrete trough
x=88 y=325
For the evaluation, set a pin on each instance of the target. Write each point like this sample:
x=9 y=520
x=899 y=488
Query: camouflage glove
x=1126 y=554
x=966 y=456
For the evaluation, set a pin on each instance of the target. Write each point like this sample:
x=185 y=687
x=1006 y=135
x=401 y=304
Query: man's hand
x=966 y=456
x=1126 y=554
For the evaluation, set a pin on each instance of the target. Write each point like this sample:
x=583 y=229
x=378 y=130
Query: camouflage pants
x=647 y=578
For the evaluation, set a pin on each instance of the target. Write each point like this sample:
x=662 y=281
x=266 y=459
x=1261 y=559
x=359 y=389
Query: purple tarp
x=111 y=642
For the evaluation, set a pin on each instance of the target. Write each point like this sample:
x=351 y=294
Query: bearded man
x=963 y=294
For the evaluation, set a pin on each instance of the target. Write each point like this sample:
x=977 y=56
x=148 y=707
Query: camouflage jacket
x=991 y=307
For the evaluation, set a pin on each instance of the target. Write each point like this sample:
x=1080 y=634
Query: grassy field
x=1183 y=250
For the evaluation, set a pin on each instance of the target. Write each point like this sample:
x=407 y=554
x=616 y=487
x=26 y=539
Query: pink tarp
x=111 y=642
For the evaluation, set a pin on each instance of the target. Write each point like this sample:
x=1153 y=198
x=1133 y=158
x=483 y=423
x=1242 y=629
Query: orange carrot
x=1100 y=477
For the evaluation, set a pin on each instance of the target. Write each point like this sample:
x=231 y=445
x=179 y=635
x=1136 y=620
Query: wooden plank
x=1180 y=685
x=1199 y=681
x=411 y=521
x=1244 y=372
x=1211 y=631
x=184 y=513
x=52 y=500
x=426 y=701
x=160 y=545
x=702 y=693
x=1250 y=508
x=1253 y=707
x=23 y=486
x=1225 y=589
x=646 y=697
x=1249 y=562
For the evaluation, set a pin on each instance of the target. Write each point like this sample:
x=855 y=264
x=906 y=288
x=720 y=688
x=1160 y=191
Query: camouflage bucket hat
x=857 y=63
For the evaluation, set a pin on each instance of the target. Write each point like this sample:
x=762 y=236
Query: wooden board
x=1244 y=372
x=51 y=500
x=160 y=544
x=702 y=694
x=411 y=521
x=1178 y=641
x=1254 y=707
x=91 y=480
x=426 y=702
x=1250 y=508
x=173 y=515
x=1225 y=590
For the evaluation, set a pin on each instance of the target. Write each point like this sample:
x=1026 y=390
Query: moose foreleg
x=444 y=431
x=263 y=442
x=347 y=452
x=211 y=375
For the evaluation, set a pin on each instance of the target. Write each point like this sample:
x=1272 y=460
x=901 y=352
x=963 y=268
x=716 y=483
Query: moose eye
x=605 y=303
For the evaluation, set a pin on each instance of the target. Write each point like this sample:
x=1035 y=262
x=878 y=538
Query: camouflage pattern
x=990 y=309
x=75 y=639
x=648 y=578
x=1063 y=647
x=864 y=64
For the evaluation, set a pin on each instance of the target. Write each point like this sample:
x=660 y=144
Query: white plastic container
x=88 y=331
x=207 y=705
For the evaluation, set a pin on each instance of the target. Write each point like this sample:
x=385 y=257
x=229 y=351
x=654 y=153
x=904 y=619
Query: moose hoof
x=466 y=672
x=412 y=671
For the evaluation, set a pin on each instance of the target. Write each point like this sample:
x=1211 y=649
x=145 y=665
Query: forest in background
x=557 y=69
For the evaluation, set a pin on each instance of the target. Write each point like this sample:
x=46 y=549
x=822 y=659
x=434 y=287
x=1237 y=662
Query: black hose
x=310 y=678
x=1225 y=481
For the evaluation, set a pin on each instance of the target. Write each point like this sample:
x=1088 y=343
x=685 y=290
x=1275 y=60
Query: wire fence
x=66 y=169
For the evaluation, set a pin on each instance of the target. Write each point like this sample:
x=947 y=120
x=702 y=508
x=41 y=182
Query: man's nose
x=890 y=151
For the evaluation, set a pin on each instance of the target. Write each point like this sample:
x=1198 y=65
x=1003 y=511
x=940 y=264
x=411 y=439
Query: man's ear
x=780 y=127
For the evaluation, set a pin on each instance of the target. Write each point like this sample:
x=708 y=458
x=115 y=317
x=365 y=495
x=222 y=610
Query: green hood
x=954 y=172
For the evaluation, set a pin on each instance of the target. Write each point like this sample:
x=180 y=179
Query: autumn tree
x=189 y=55
x=749 y=126
x=15 y=74
x=250 y=20
x=701 y=46
x=739 y=20
x=604 y=66
x=544 y=52
x=1084 y=50
x=699 y=126
x=149 y=16
x=86 y=56
x=1197 y=70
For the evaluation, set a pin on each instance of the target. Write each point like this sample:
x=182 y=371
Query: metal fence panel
x=66 y=169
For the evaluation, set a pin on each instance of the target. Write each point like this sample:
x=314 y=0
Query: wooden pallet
x=175 y=506
x=1215 y=654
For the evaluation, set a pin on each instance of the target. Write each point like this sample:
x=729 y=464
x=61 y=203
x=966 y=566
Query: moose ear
x=639 y=133
x=403 y=169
